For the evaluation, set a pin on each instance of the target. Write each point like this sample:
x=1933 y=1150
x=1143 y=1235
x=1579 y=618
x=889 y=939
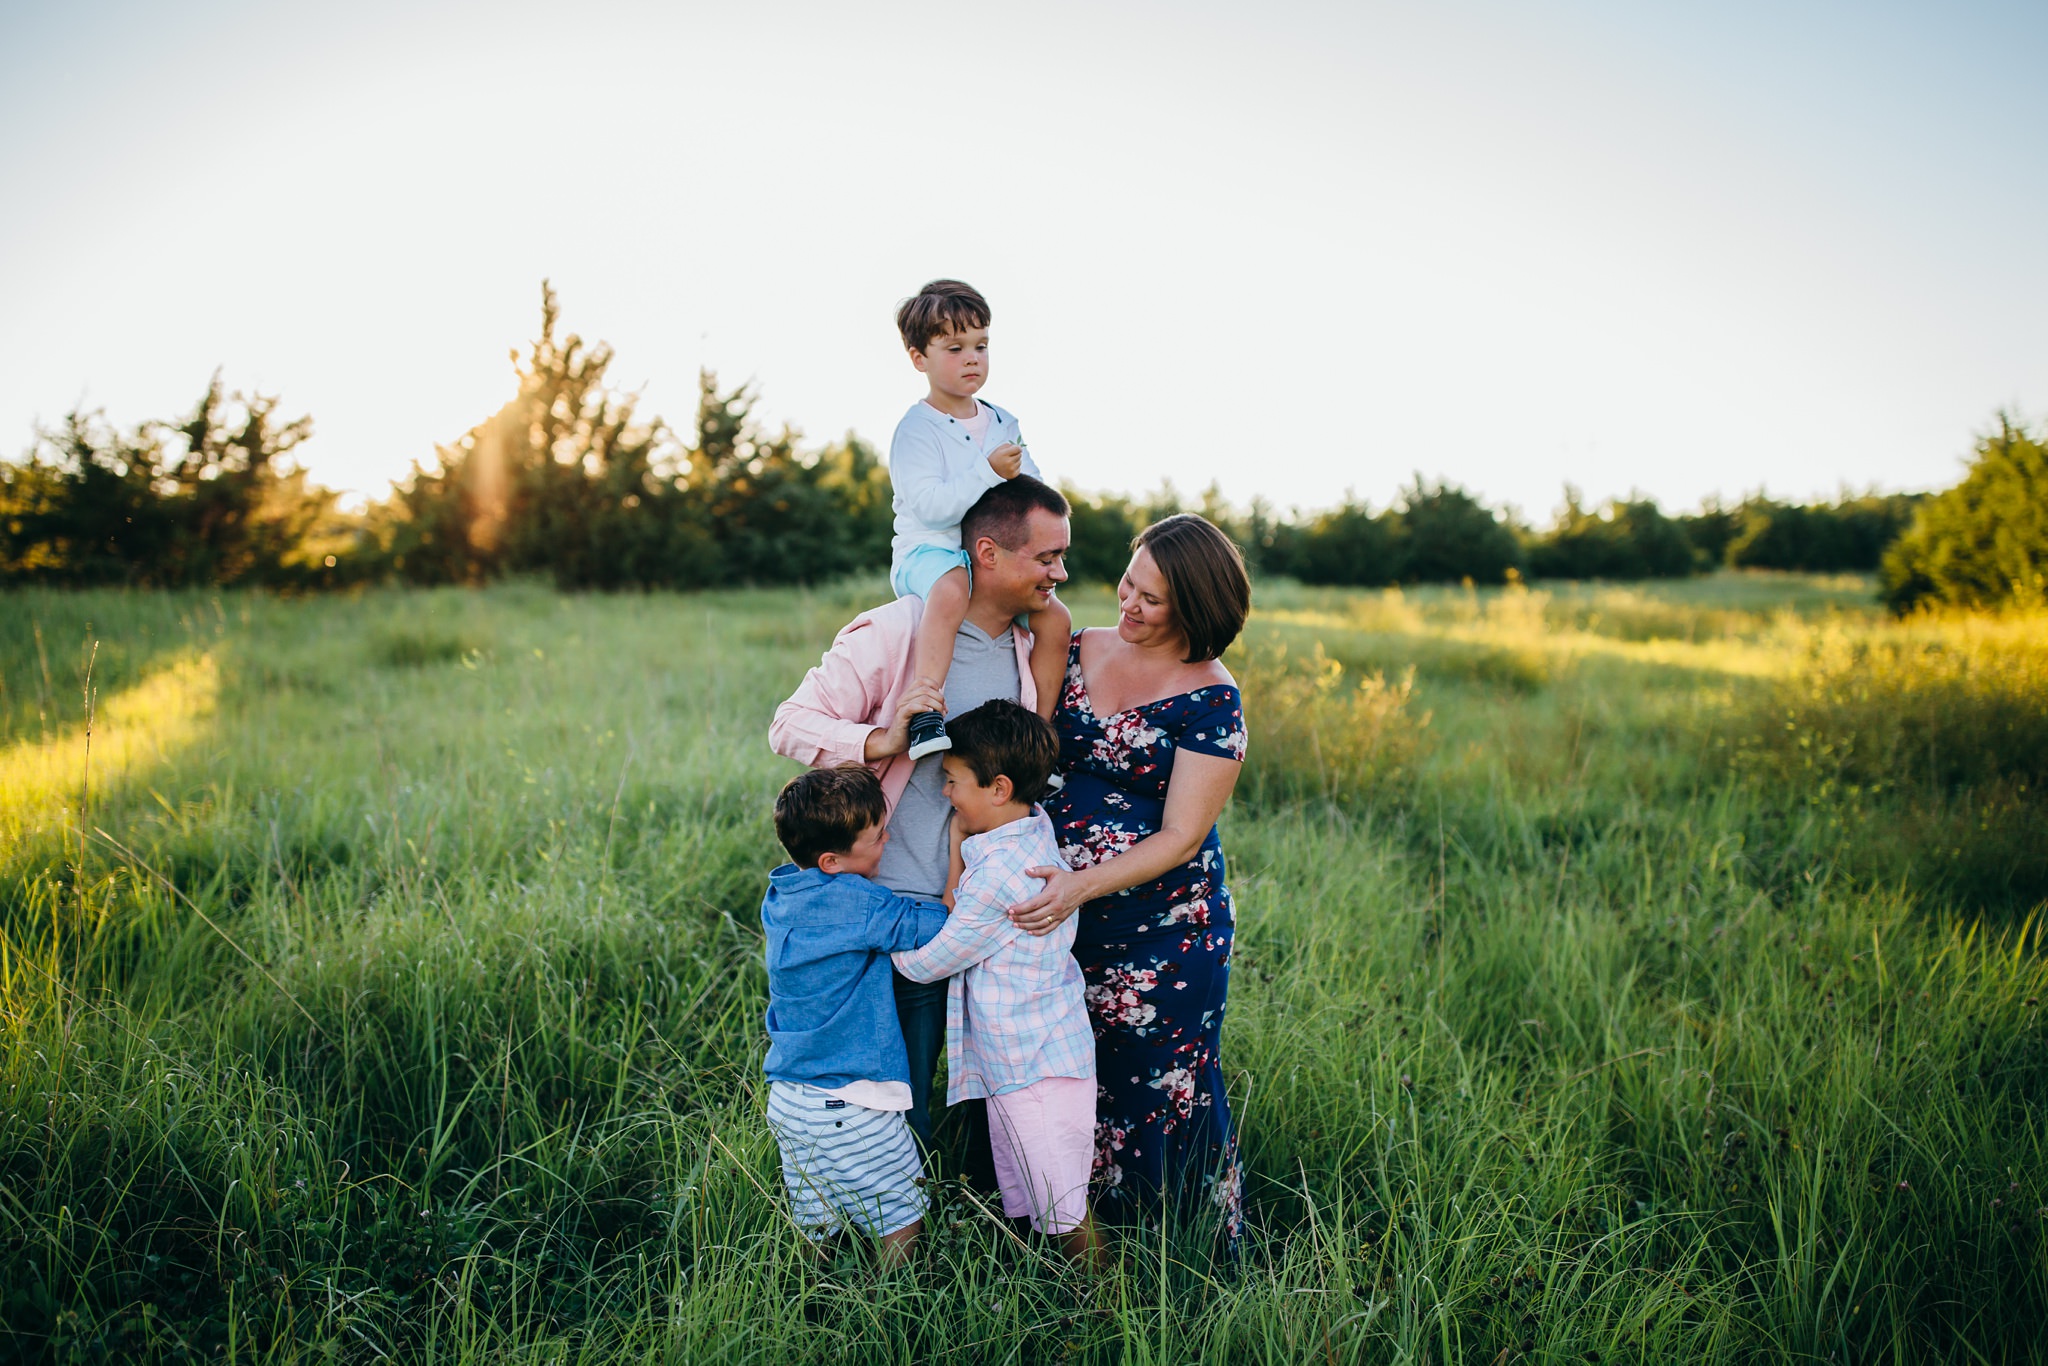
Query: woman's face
x=1146 y=613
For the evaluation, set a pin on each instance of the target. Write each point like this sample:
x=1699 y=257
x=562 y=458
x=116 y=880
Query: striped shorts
x=844 y=1163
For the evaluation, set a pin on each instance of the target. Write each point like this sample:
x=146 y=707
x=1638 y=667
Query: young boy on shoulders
x=1017 y=1029
x=838 y=1076
x=948 y=449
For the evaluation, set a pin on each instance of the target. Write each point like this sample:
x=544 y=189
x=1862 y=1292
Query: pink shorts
x=1043 y=1139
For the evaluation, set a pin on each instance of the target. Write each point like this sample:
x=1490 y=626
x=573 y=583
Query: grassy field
x=1623 y=975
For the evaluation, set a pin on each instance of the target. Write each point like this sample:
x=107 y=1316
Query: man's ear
x=984 y=552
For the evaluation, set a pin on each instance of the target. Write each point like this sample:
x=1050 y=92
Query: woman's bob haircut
x=1206 y=583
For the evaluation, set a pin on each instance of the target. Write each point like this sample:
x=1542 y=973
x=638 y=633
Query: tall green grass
x=394 y=990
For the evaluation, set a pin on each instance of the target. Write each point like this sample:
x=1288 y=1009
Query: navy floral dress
x=1156 y=957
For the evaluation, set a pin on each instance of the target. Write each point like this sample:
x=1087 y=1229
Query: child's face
x=864 y=857
x=956 y=363
x=979 y=809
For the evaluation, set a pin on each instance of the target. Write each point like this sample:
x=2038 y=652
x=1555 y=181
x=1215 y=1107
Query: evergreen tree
x=1710 y=530
x=779 y=515
x=1849 y=534
x=1446 y=535
x=1628 y=539
x=564 y=480
x=1102 y=526
x=1348 y=546
x=1985 y=541
x=568 y=480
x=210 y=499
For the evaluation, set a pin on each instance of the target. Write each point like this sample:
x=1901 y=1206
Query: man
x=855 y=707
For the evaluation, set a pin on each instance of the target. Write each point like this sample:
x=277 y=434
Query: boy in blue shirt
x=838 y=1075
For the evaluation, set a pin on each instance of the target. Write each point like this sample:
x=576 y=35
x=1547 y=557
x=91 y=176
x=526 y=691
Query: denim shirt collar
x=789 y=878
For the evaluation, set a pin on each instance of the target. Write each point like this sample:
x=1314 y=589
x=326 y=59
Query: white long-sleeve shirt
x=937 y=470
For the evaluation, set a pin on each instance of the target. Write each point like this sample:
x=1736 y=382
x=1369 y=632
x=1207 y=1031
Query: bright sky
x=1295 y=248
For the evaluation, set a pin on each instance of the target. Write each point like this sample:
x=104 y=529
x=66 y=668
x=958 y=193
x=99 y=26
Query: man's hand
x=922 y=695
x=1007 y=460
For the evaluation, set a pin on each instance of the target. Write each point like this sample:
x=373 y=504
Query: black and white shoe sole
x=937 y=744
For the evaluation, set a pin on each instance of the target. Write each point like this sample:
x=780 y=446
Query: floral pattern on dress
x=1114 y=996
x=1156 y=957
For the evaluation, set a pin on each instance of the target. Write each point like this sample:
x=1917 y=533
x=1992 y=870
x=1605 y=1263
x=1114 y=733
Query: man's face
x=1024 y=579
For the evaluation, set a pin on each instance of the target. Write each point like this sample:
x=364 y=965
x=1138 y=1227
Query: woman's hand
x=1195 y=795
x=1062 y=895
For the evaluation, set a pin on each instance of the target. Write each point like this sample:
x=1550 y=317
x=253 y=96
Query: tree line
x=570 y=481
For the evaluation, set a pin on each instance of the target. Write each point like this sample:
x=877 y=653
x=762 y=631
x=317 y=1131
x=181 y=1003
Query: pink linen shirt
x=856 y=689
x=1018 y=1011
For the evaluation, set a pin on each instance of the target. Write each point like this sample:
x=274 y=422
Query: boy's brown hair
x=940 y=307
x=1001 y=739
x=825 y=810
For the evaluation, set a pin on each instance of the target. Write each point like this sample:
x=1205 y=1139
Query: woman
x=1151 y=740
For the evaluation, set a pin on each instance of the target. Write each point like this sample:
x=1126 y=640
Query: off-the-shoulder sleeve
x=1213 y=723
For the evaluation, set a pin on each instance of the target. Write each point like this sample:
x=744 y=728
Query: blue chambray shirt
x=831 y=1004
x=1017 y=1011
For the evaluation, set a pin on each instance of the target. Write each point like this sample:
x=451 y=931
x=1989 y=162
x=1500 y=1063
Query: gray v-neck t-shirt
x=914 y=862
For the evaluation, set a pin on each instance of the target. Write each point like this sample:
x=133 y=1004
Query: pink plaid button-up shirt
x=1016 y=1013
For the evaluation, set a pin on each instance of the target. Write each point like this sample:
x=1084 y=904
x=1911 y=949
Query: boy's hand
x=1007 y=460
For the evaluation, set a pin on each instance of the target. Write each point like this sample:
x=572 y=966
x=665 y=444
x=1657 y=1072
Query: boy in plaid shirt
x=1017 y=1030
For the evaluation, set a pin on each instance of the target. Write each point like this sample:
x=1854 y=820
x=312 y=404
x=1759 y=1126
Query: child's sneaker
x=928 y=734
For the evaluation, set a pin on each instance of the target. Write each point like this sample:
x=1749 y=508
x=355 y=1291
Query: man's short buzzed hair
x=1003 y=513
x=940 y=307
